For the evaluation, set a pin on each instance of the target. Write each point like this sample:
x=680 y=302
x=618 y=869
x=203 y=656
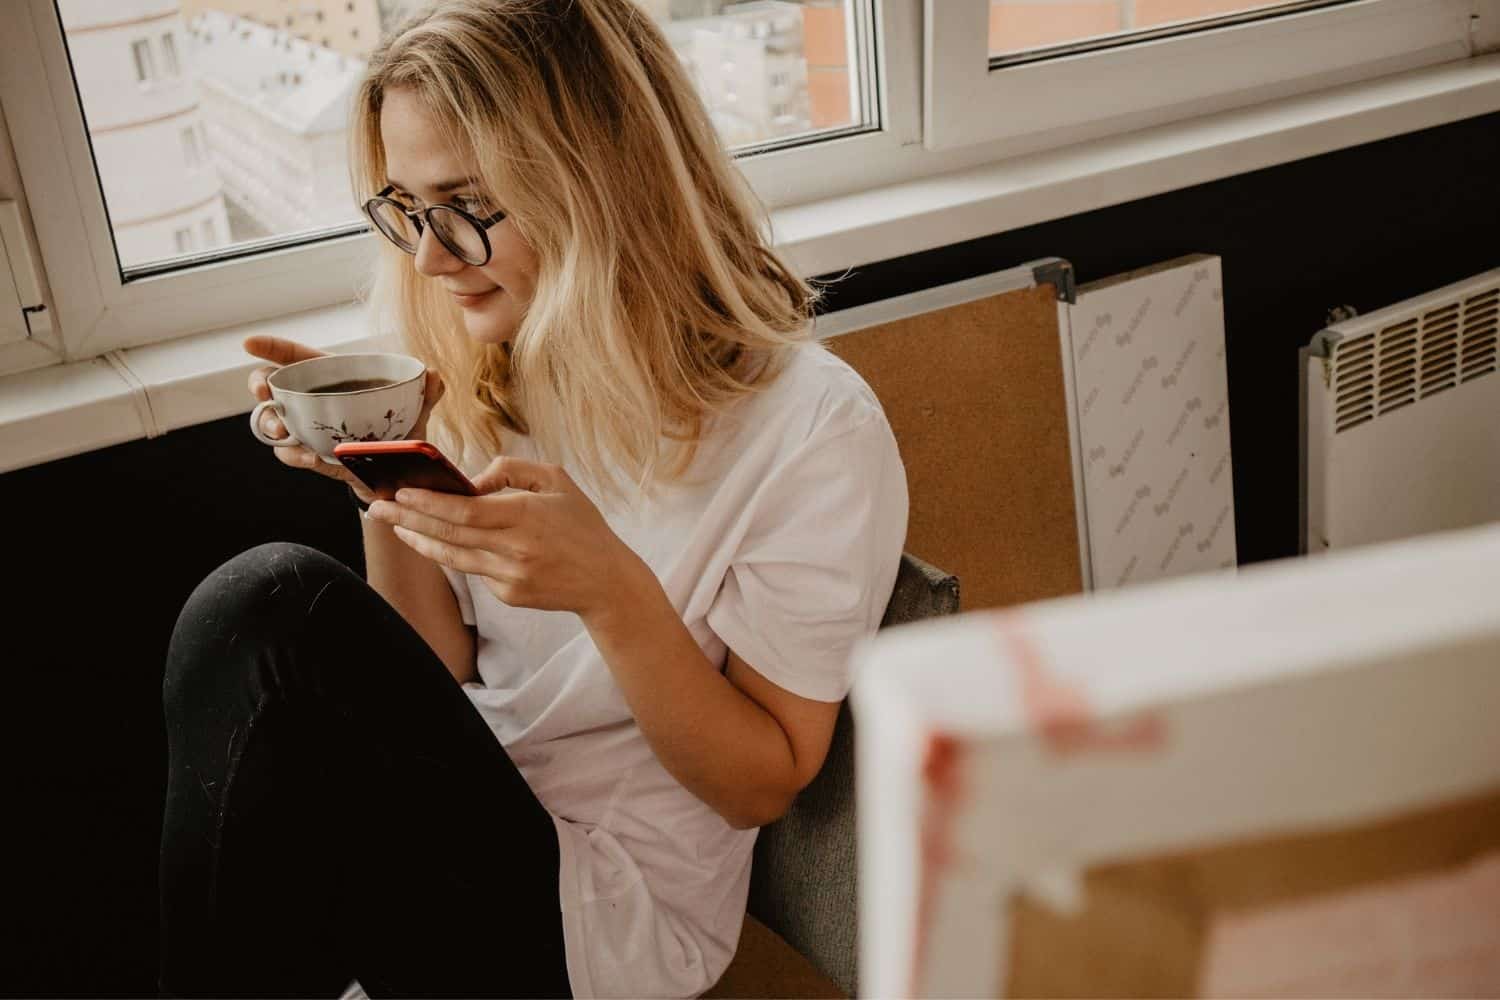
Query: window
x=1041 y=74
x=145 y=67
x=169 y=56
x=801 y=91
x=1021 y=30
x=275 y=97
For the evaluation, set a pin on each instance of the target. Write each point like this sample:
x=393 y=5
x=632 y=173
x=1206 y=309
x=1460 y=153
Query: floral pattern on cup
x=393 y=420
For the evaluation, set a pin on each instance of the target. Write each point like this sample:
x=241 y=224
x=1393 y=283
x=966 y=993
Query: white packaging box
x=1002 y=757
x=1152 y=392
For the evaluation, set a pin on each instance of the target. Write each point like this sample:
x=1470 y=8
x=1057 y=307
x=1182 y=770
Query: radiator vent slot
x=1401 y=408
x=1477 y=352
x=1380 y=371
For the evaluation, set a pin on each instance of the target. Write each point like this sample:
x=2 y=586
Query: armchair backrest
x=802 y=881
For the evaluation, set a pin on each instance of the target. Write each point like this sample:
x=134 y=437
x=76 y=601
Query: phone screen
x=387 y=472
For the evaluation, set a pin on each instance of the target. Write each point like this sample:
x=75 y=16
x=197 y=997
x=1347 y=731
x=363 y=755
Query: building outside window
x=192 y=155
x=169 y=56
x=145 y=65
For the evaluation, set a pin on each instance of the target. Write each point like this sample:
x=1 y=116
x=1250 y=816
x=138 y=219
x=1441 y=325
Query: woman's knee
x=275 y=572
x=259 y=597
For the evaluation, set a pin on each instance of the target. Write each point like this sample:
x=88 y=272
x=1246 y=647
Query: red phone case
x=386 y=466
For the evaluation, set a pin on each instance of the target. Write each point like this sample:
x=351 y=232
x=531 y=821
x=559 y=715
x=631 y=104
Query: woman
x=530 y=756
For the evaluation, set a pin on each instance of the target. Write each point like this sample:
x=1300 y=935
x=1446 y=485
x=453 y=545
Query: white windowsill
x=63 y=410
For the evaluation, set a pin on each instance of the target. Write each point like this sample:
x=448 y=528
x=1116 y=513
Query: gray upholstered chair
x=799 y=938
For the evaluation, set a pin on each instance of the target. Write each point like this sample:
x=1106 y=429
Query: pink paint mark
x=1060 y=712
x=942 y=778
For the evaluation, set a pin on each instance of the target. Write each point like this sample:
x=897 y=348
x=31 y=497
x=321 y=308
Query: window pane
x=1018 y=26
x=266 y=84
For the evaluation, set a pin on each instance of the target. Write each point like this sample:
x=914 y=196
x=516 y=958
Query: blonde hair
x=658 y=299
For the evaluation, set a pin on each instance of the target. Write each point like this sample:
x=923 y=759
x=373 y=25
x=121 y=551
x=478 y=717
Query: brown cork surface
x=974 y=394
x=766 y=967
x=1144 y=924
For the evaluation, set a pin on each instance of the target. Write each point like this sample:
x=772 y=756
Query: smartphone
x=386 y=466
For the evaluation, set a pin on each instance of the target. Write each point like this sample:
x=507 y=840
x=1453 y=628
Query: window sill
x=54 y=412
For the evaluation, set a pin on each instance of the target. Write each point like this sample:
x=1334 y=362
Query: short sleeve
x=815 y=569
x=460 y=585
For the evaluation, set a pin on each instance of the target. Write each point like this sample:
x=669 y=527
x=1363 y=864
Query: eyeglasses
x=464 y=235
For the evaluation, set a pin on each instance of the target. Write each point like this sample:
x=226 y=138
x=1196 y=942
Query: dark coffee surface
x=353 y=385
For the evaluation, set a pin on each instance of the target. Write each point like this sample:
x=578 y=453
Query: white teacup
x=326 y=401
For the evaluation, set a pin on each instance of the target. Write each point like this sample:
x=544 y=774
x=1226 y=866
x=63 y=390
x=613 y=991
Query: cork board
x=1164 y=926
x=975 y=395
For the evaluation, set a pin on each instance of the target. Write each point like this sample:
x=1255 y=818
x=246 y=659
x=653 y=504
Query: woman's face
x=426 y=172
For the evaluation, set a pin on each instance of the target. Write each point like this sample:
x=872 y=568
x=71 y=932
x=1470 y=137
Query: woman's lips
x=469 y=301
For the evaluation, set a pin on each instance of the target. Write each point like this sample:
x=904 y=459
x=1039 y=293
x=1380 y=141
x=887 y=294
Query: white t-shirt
x=784 y=548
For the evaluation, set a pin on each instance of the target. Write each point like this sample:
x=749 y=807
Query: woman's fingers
x=280 y=351
x=520 y=474
x=271 y=425
x=476 y=561
x=259 y=387
x=299 y=456
x=450 y=532
x=507 y=510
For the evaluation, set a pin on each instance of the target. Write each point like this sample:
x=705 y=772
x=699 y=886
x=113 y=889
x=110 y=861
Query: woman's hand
x=285 y=352
x=541 y=544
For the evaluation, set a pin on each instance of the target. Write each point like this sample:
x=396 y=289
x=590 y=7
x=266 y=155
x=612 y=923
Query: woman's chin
x=488 y=329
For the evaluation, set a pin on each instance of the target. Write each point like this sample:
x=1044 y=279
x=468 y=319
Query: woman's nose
x=433 y=258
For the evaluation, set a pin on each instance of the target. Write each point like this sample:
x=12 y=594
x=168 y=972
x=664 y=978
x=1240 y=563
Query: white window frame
x=1073 y=98
x=95 y=311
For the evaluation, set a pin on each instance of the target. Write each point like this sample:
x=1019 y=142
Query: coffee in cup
x=326 y=401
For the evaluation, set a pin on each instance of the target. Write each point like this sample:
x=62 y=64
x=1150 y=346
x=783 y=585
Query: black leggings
x=336 y=807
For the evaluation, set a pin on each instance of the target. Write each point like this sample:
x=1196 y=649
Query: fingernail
x=403 y=496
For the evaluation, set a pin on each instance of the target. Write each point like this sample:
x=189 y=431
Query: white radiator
x=1402 y=419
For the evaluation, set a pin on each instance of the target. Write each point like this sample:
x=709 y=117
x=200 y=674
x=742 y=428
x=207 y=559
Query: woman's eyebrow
x=442 y=188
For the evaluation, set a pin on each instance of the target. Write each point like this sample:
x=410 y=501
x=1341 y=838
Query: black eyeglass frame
x=422 y=217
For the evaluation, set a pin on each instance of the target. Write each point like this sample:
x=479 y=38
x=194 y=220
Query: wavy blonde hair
x=658 y=300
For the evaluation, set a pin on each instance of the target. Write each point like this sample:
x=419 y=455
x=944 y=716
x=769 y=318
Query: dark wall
x=105 y=547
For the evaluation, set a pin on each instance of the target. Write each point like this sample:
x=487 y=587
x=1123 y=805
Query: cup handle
x=261 y=407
